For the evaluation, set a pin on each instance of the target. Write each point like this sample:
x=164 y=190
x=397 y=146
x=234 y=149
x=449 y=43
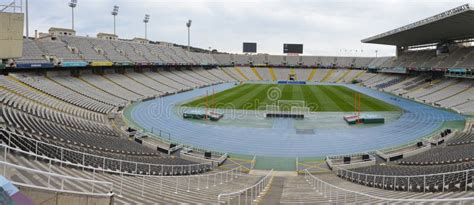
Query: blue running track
x=418 y=120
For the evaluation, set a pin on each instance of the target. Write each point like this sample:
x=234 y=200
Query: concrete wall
x=55 y=198
x=11 y=35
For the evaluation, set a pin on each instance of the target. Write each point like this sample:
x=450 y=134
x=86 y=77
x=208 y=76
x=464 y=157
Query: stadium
x=106 y=120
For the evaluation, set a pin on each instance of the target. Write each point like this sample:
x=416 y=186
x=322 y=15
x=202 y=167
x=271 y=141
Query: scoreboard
x=250 y=47
x=293 y=48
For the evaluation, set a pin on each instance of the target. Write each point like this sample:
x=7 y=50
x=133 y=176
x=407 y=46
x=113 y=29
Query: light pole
x=188 y=24
x=146 y=20
x=115 y=13
x=27 y=20
x=73 y=5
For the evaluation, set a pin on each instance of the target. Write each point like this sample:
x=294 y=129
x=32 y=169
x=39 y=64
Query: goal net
x=288 y=106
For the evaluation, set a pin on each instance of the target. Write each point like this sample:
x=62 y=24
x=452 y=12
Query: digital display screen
x=293 y=48
x=250 y=47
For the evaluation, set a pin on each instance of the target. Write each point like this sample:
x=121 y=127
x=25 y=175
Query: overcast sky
x=325 y=27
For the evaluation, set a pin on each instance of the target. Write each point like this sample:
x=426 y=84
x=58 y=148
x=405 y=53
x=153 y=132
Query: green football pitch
x=318 y=98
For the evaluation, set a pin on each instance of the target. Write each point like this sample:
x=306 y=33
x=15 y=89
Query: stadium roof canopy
x=454 y=24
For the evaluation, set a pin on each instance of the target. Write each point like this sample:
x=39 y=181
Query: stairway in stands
x=230 y=75
x=254 y=70
x=241 y=73
x=272 y=73
x=357 y=76
x=293 y=73
x=326 y=78
x=274 y=192
x=343 y=76
x=312 y=74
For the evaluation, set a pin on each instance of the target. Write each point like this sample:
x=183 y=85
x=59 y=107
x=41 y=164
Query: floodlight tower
x=146 y=20
x=115 y=13
x=73 y=5
x=188 y=24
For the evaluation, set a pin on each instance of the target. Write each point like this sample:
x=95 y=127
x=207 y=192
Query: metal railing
x=176 y=183
x=164 y=136
x=433 y=136
x=55 y=182
x=340 y=195
x=448 y=181
x=254 y=160
x=15 y=6
x=36 y=147
x=249 y=194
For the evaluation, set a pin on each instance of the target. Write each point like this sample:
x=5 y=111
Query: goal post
x=288 y=105
x=300 y=110
x=272 y=109
x=296 y=109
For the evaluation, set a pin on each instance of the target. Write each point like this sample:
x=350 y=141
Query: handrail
x=348 y=155
x=363 y=177
x=62 y=149
x=209 y=179
x=7 y=148
x=95 y=183
x=404 y=176
x=325 y=187
x=254 y=160
x=222 y=158
x=411 y=143
x=257 y=187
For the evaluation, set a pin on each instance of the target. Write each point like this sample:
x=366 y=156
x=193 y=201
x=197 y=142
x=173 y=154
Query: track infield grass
x=318 y=98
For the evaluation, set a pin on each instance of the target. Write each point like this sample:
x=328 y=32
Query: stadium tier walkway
x=418 y=120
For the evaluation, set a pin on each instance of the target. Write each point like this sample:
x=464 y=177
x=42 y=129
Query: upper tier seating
x=223 y=59
x=59 y=49
x=458 y=57
x=109 y=51
x=143 y=51
x=31 y=53
x=85 y=49
x=130 y=52
x=167 y=58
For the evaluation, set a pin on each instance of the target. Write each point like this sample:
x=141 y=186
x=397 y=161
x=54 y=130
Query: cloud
x=324 y=27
